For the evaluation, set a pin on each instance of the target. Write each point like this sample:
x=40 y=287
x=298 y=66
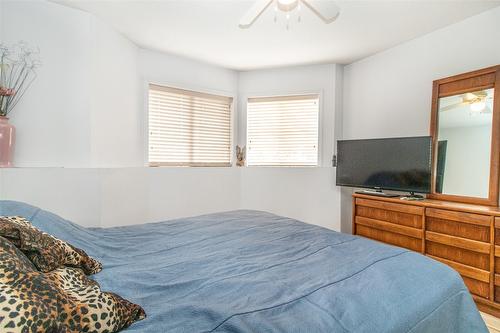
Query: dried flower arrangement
x=18 y=64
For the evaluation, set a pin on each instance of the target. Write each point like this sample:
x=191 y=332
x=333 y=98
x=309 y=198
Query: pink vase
x=7 y=140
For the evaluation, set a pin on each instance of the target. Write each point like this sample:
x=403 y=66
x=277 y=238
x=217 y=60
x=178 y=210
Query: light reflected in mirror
x=464 y=144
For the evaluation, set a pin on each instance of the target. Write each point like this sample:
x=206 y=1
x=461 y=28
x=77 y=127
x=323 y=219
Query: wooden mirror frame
x=477 y=80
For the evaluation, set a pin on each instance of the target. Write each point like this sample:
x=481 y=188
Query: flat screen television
x=399 y=164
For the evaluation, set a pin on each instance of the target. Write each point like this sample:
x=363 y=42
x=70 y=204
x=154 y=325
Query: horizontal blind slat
x=188 y=107
x=182 y=92
x=168 y=113
x=183 y=128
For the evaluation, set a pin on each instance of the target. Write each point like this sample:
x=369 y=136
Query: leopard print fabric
x=44 y=250
x=61 y=301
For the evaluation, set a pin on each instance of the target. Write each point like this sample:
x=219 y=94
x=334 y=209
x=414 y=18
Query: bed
x=251 y=271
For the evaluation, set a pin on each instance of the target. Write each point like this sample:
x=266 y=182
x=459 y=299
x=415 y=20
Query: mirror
x=464 y=143
x=465 y=130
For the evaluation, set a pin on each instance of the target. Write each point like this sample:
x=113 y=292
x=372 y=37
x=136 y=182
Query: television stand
x=413 y=197
x=378 y=193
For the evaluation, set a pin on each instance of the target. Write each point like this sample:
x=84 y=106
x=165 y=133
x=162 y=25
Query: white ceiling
x=207 y=30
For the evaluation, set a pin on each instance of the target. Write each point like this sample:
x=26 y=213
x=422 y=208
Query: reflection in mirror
x=464 y=144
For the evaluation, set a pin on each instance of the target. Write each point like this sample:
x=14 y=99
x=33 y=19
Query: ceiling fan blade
x=327 y=10
x=452 y=106
x=254 y=12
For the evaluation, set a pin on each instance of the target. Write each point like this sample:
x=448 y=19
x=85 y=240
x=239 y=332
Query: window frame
x=278 y=94
x=145 y=122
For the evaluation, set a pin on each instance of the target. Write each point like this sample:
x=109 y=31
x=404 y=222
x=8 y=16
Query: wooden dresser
x=463 y=236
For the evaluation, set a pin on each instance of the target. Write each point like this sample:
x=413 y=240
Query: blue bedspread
x=249 y=271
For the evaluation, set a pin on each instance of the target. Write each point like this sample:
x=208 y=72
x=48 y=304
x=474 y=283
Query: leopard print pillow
x=61 y=301
x=44 y=250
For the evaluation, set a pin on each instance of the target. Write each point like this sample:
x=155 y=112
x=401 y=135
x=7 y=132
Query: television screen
x=400 y=164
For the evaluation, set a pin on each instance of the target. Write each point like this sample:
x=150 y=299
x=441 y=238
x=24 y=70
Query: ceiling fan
x=476 y=101
x=326 y=10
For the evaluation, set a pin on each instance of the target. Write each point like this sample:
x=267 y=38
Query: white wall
x=87 y=105
x=294 y=80
x=179 y=72
x=90 y=103
x=1 y=20
x=53 y=120
x=307 y=194
x=164 y=68
x=389 y=94
x=467 y=163
x=82 y=109
x=123 y=196
x=120 y=196
x=115 y=124
x=87 y=109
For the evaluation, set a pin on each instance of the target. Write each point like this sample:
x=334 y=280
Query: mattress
x=251 y=271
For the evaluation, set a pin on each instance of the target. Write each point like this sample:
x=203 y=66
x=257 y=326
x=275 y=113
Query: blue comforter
x=249 y=271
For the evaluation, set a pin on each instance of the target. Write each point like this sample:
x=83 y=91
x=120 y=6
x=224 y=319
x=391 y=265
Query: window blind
x=283 y=131
x=188 y=128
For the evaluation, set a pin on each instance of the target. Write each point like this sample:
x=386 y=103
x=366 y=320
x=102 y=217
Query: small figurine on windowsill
x=240 y=155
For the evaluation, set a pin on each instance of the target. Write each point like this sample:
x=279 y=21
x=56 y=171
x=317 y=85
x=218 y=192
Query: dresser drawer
x=403 y=208
x=462 y=241
x=497 y=259
x=465 y=225
x=476 y=280
x=462 y=238
x=401 y=214
x=397 y=239
x=469 y=218
x=476 y=258
x=389 y=222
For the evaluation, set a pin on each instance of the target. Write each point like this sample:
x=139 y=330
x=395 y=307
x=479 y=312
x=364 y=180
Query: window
x=283 y=131
x=188 y=128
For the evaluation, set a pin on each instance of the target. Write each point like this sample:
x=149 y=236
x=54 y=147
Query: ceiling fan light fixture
x=287 y=5
x=326 y=10
x=478 y=106
x=287 y=2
